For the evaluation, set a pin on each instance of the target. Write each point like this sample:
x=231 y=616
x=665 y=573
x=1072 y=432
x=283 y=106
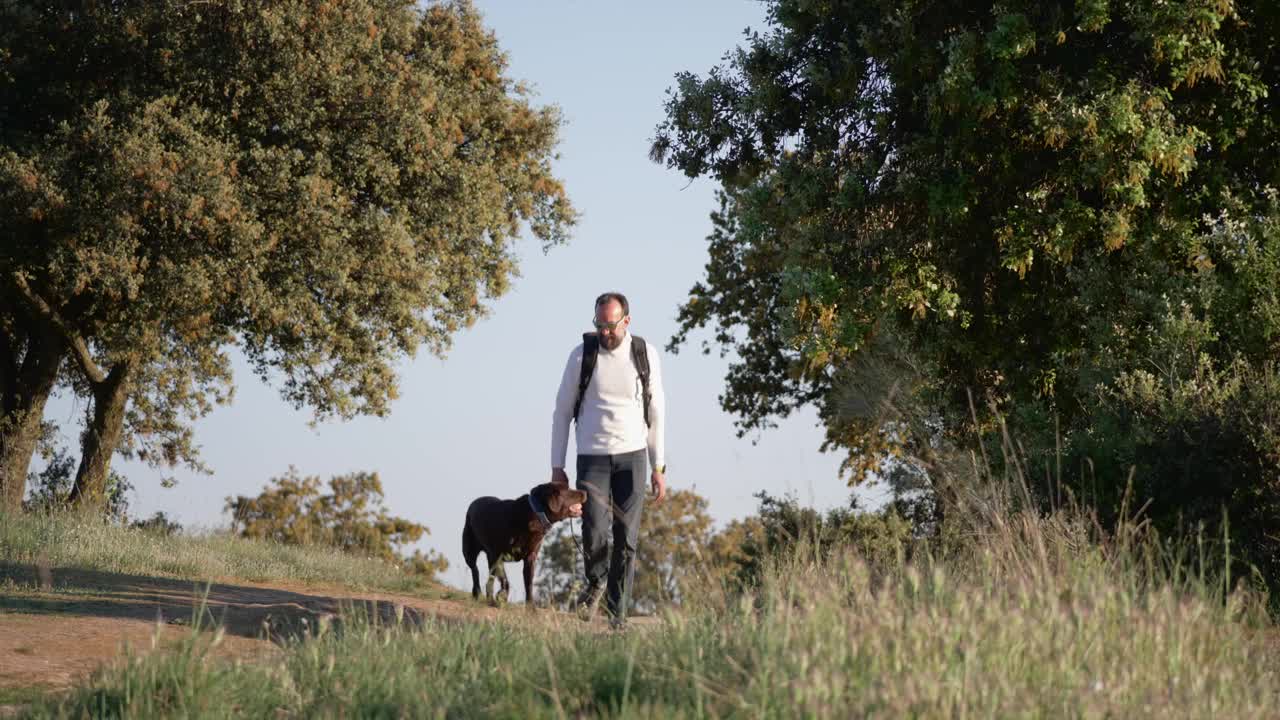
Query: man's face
x=611 y=324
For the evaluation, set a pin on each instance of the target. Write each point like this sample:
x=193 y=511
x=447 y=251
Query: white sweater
x=611 y=420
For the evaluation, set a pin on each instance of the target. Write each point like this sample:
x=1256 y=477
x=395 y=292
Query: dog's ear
x=555 y=499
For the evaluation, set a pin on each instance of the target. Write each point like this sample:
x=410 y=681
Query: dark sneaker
x=617 y=623
x=589 y=601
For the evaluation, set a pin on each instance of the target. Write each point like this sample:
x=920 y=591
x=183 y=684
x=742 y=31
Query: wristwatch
x=661 y=470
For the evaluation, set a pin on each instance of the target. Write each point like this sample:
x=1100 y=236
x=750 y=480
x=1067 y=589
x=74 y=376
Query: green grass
x=26 y=695
x=1033 y=618
x=66 y=541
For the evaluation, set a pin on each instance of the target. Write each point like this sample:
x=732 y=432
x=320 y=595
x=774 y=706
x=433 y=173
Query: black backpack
x=639 y=356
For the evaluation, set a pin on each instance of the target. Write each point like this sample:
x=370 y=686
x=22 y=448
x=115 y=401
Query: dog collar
x=539 y=512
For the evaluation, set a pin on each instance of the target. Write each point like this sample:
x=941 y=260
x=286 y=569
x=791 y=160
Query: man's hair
x=619 y=297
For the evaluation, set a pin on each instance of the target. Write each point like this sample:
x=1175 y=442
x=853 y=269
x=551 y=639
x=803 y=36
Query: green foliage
x=667 y=561
x=990 y=181
x=293 y=511
x=788 y=530
x=732 y=548
x=668 y=557
x=1205 y=453
x=428 y=565
x=158 y=524
x=1190 y=407
x=326 y=186
x=1057 y=214
x=681 y=558
x=560 y=573
x=49 y=489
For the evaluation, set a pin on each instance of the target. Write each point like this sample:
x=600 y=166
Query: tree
x=668 y=558
x=990 y=183
x=673 y=536
x=50 y=488
x=293 y=511
x=1012 y=201
x=325 y=186
x=782 y=527
x=734 y=548
x=158 y=524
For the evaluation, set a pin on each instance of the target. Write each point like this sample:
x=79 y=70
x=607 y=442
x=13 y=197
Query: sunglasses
x=607 y=325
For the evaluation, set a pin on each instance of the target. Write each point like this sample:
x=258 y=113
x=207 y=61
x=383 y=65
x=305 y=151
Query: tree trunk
x=28 y=371
x=101 y=437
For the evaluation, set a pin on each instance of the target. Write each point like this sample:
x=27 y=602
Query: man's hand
x=559 y=477
x=659 y=486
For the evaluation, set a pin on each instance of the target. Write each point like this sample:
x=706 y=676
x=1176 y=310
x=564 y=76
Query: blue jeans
x=615 y=487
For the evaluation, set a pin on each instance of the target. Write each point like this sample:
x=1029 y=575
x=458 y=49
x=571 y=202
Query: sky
x=478 y=421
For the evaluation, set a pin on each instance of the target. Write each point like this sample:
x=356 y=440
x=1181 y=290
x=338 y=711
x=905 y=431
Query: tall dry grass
x=1028 y=616
x=1014 y=612
x=69 y=541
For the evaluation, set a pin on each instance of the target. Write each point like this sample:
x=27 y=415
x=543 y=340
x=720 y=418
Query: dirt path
x=54 y=637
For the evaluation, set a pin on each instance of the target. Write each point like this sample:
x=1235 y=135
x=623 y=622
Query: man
x=604 y=389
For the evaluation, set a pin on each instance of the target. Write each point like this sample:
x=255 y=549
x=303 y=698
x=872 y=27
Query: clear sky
x=477 y=422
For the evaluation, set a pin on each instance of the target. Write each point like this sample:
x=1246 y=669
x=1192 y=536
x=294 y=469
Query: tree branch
x=77 y=343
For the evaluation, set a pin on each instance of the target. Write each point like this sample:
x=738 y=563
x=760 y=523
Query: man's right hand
x=559 y=476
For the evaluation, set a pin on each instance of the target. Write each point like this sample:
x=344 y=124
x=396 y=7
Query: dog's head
x=561 y=501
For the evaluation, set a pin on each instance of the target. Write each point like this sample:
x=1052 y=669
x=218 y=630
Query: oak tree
x=1011 y=191
x=324 y=185
x=1065 y=211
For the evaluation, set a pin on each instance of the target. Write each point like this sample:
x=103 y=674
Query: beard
x=611 y=342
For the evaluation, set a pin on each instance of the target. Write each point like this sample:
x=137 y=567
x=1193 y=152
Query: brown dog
x=512 y=530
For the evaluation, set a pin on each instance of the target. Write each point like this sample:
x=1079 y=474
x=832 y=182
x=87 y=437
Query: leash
x=574 y=582
x=541 y=513
x=574 y=535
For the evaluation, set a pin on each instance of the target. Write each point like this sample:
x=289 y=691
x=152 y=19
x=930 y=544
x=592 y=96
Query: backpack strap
x=590 y=349
x=640 y=358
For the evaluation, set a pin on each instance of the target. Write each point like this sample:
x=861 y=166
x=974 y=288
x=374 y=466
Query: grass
x=66 y=541
x=1035 y=617
x=25 y=695
x=1019 y=614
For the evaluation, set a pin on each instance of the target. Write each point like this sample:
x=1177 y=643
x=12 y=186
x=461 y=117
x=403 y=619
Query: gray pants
x=615 y=486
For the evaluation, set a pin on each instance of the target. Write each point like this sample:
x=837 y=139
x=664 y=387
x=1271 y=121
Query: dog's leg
x=529 y=562
x=506 y=584
x=495 y=568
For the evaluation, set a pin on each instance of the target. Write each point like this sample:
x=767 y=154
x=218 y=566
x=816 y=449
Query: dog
x=512 y=530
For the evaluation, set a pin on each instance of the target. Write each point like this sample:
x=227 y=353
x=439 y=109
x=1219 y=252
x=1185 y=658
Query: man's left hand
x=659 y=486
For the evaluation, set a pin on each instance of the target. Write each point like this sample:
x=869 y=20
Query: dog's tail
x=470 y=544
x=470 y=551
